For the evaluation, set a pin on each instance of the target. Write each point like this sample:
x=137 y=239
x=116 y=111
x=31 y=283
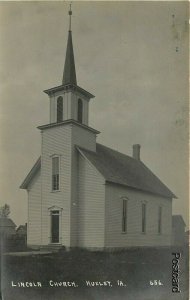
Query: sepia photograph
x=94 y=124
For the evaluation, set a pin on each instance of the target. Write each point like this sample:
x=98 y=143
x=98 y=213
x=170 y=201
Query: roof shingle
x=117 y=168
x=122 y=169
x=6 y=222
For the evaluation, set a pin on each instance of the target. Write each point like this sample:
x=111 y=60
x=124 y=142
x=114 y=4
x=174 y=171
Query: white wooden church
x=84 y=194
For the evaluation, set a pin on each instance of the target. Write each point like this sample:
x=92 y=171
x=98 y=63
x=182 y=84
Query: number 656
x=156 y=282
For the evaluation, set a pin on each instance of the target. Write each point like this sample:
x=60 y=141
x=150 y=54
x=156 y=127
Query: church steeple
x=68 y=101
x=69 y=73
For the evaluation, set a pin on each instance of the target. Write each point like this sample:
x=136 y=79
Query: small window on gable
x=124 y=215
x=55 y=173
x=143 y=218
x=80 y=110
x=59 y=109
x=160 y=220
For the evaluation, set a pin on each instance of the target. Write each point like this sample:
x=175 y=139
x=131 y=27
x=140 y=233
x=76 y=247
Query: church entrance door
x=55 y=226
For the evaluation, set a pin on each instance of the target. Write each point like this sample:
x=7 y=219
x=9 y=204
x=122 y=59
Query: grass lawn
x=134 y=268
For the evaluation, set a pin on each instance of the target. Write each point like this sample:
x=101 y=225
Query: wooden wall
x=134 y=236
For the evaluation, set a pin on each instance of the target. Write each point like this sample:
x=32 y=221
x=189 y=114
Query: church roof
x=6 y=222
x=69 y=73
x=69 y=87
x=177 y=220
x=122 y=169
x=119 y=169
x=31 y=174
x=69 y=121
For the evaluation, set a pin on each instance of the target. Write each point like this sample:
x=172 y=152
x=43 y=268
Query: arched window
x=59 y=109
x=80 y=109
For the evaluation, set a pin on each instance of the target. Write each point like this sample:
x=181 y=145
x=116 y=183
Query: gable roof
x=6 y=222
x=124 y=170
x=177 y=220
x=31 y=174
x=117 y=168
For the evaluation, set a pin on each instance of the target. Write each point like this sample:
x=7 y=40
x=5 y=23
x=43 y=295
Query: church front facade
x=84 y=194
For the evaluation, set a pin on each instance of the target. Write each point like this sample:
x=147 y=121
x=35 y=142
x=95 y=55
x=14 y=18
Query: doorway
x=55 y=226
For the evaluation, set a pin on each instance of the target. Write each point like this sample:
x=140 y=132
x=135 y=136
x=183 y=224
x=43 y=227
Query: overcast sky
x=133 y=56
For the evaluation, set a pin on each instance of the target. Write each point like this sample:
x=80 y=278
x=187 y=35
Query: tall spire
x=69 y=73
x=70 y=14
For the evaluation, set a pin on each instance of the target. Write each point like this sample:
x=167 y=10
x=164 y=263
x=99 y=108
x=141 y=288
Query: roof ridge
x=138 y=161
x=118 y=168
x=123 y=154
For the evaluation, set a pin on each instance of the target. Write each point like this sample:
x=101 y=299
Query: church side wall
x=56 y=141
x=91 y=206
x=87 y=140
x=34 y=211
x=134 y=236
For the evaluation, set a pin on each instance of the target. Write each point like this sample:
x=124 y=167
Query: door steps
x=52 y=247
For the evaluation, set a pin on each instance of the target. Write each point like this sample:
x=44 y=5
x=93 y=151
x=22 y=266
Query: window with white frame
x=55 y=173
x=160 y=220
x=124 y=215
x=143 y=218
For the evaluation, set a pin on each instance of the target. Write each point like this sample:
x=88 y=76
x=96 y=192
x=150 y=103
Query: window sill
x=56 y=191
x=124 y=232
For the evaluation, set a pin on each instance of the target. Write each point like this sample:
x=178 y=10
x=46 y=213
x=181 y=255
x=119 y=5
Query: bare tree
x=4 y=211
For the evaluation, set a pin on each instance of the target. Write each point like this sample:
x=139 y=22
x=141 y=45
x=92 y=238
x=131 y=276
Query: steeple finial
x=70 y=14
x=69 y=73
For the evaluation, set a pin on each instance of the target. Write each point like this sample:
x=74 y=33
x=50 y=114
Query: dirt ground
x=133 y=274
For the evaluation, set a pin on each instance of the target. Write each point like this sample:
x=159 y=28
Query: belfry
x=69 y=101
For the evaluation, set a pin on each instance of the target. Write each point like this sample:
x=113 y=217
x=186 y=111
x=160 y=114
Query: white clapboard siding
x=34 y=211
x=56 y=141
x=60 y=140
x=134 y=236
x=91 y=206
x=86 y=139
x=83 y=137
